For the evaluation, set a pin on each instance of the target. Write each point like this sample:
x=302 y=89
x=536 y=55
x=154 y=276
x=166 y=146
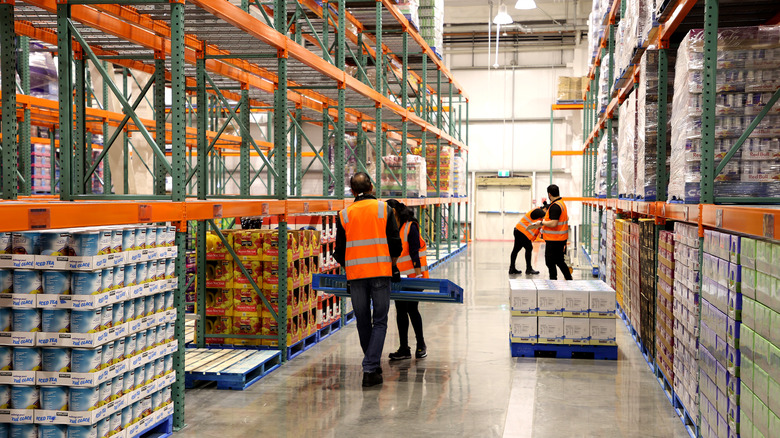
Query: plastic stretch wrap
x=351 y=164
x=409 y=9
x=647 y=124
x=626 y=145
x=604 y=87
x=443 y=176
x=460 y=177
x=748 y=74
x=392 y=178
x=601 y=176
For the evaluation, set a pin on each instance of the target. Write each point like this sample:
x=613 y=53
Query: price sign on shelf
x=39 y=218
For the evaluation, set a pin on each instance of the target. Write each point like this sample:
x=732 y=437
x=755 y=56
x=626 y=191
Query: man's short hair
x=537 y=213
x=553 y=190
x=360 y=183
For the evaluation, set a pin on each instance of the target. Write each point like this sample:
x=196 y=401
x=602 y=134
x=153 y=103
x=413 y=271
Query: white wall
x=509 y=114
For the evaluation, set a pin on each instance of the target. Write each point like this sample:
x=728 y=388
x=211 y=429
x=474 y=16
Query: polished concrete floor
x=469 y=385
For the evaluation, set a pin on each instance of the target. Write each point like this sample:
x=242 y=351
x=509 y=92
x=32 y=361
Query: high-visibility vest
x=523 y=225
x=367 y=253
x=559 y=232
x=404 y=262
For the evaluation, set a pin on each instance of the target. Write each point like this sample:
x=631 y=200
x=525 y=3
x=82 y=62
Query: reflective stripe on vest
x=367 y=252
x=404 y=262
x=559 y=232
x=523 y=225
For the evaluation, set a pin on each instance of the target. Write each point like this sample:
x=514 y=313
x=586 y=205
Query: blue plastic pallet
x=349 y=317
x=666 y=385
x=235 y=369
x=438 y=263
x=599 y=352
x=162 y=429
x=408 y=289
x=687 y=419
x=328 y=330
x=299 y=347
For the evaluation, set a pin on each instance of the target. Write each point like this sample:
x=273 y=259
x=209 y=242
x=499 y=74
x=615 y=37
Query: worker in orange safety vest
x=555 y=232
x=368 y=246
x=525 y=234
x=414 y=264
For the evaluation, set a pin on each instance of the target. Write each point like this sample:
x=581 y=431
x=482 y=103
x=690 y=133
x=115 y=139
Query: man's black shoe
x=372 y=379
x=421 y=352
x=513 y=271
x=401 y=354
x=531 y=272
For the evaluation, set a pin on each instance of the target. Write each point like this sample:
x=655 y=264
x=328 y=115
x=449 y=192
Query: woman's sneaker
x=421 y=352
x=401 y=354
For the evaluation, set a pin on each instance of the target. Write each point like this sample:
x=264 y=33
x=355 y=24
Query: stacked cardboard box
x=611 y=260
x=633 y=278
x=580 y=312
x=686 y=315
x=759 y=337
x=440 y=169
x=622 y=270
x=719 y=336
x=233 y=306
x=646 y=262
x=431 y=14
x=664 y=345
x=571 y=88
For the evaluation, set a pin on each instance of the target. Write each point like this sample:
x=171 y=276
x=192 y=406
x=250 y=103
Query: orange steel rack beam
x=749 y=220
x=40 y=212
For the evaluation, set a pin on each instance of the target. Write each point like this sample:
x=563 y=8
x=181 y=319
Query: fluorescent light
x=502 y=17
x=525 y=4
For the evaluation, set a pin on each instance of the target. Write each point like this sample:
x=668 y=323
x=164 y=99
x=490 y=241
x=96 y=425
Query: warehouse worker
x=555 y=232
x=525 y=234
x=414 y=264
x=368 y=246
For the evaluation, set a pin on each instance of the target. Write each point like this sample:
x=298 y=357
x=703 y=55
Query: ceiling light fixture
x=502 y=17
x=525 y=4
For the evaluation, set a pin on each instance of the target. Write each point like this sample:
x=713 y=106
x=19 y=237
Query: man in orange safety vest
x=368 y=246
x=555 y=232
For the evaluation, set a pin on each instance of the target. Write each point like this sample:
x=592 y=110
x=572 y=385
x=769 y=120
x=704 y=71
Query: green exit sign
x=503 y=174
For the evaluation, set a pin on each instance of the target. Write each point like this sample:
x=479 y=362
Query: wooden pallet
x=231 y=369
x=189 y=331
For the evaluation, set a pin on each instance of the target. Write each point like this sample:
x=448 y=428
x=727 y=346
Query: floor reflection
x=461 y=389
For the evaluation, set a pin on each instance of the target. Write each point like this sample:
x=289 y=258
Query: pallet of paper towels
x=562 y=312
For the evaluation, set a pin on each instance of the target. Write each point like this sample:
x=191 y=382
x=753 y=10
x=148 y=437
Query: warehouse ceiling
x=554 y=23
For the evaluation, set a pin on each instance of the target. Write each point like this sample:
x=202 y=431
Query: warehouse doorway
x=500 y=202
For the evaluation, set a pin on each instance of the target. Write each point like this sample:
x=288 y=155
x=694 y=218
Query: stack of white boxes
x=578 y=312
x=686 y=315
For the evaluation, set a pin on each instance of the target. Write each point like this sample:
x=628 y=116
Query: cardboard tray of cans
x=49 y=301
x=86 y=340
x=89 y=263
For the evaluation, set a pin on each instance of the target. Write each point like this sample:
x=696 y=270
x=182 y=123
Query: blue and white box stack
x=87 y=329
x=578 y=312
x=686 y=315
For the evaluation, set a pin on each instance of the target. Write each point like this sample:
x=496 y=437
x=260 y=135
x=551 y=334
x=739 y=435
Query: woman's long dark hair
x=402 y=212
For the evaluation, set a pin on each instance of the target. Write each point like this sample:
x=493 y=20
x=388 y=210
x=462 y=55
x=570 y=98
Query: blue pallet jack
x=408 y=289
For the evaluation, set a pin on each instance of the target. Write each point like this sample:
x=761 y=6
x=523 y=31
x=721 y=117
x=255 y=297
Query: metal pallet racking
x=287 y=59
x=674 y=20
